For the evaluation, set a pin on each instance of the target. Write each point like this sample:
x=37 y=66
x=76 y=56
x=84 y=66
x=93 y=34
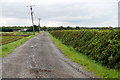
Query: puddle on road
x=37 y=70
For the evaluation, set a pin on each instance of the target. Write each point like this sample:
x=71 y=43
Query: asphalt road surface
x=40 y=58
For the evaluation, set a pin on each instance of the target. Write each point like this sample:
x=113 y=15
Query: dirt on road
x=40 y=58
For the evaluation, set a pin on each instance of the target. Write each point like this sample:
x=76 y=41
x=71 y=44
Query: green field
x=11 y=40
x=8 y=37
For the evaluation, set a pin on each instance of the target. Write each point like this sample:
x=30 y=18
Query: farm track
x=40 y=58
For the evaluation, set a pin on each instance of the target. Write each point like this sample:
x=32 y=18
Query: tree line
x=44 y=28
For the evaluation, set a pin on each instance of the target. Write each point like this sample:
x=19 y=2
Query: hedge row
x=103 y=46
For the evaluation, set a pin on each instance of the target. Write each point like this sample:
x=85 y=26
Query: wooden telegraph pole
x=31 y=12
x=39 y=23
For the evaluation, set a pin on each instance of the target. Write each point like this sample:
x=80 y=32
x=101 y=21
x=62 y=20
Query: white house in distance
x=22 y=30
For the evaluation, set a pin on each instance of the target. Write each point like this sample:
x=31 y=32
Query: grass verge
x=88 y=64
x=8 y=48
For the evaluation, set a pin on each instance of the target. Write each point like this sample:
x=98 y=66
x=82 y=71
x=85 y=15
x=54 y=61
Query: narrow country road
x=40 y=58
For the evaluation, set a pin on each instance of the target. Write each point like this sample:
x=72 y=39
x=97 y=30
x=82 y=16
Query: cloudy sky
x=60 y=12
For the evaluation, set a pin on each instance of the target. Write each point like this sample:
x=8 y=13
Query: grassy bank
x=8 y=48
x=85 y=62
x=103 y=46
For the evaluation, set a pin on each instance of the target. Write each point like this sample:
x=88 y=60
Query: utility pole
x=39 y=24
x=31 y=12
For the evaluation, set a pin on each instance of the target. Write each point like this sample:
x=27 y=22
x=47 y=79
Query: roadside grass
x=8 y=48
x=97 y=69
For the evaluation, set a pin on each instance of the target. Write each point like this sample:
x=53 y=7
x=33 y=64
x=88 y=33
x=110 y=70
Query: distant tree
x=110 y=28
x=68 y=27
x=77 y=27
x=61 y=28
x=36 y=28
x=44 y=28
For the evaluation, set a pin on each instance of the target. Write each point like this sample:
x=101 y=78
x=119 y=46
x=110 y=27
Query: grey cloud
x=76 y=13
x=15 y=10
